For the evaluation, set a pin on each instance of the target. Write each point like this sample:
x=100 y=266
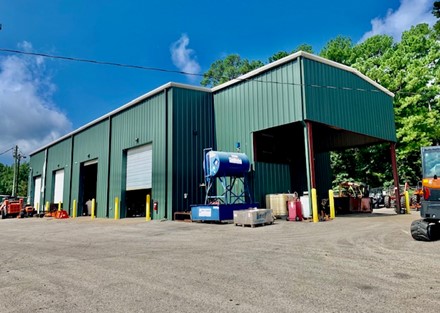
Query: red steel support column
x=396 y=177
x=311 y=154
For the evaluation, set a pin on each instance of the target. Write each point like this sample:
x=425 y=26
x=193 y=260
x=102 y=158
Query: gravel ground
x=355 y=263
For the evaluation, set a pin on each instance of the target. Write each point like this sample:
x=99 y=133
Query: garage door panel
x=37 y=192
x=139 y=168
x=59 y=186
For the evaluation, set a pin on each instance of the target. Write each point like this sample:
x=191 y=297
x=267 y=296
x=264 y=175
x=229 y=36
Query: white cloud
x=409 y=13
x=183 y=57
x=28 y=116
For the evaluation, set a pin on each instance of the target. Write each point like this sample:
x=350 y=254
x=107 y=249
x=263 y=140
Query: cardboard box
x=253 y=217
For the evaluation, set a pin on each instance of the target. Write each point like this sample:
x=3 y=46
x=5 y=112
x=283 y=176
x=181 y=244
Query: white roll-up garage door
x=37 y=192
x=59 y=186
x=139 y=167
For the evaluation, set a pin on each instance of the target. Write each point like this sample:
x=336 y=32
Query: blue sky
x=42 y=99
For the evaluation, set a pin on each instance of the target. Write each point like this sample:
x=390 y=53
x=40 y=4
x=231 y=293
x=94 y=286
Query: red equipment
x=15 y=208
x=61 y=214
x=11 y=208
x=295 y=210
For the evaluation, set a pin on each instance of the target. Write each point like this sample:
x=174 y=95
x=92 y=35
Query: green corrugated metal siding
x=270 y=99
x=91 y=144
x=37 y=165
x=147 y=122
x=270 y=178
x=180 y=122
x=332 y=97
x=58 y=158
x=192 y=131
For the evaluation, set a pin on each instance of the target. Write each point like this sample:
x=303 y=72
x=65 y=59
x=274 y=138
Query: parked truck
x=428 y=227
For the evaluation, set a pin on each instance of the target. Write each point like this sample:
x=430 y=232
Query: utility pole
x=15 y=180
x=17 y=157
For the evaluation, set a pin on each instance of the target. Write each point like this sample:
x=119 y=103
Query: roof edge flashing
x=294 y=56
x=122 y=108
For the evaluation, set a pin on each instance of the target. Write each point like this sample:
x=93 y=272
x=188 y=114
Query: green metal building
x=286 y=116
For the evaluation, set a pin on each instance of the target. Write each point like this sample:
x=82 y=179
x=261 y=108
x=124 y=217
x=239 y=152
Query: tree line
x=409 y=68
x=7 y=178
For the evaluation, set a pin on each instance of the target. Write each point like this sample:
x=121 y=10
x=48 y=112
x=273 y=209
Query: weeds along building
x=286 y=116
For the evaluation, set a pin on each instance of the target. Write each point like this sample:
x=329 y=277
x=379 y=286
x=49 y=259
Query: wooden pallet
x=182 y=216
x=253 y=225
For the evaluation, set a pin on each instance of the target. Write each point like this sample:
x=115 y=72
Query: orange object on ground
x=61 y=214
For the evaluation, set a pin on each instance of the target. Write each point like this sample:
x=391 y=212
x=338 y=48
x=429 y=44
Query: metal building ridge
x=239 y=79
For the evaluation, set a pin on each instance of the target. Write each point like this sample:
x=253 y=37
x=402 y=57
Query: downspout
x=398 y=209
x=30 y=183
x=43 y=187
x=109 y=200
x=166 y=153
x=71 y=173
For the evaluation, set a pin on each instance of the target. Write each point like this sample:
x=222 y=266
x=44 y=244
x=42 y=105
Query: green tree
x=413 y=73
x=227 y=69
x=339 y=50
x=410 y=69
x=303 y=47
x=369 y=55
x=22 y=189
x=277 y=56
x=436 y=12
x=281 y=54
x=7 y=178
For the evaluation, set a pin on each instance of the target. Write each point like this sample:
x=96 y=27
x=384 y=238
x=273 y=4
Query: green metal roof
x=268 y=78
x=122 y=108
x=295 y=56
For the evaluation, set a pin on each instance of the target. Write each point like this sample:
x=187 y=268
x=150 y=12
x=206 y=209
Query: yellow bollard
x=93 y=208
x=59 y=206
x=116 y=208
x=315 y=206
x=74 y=209
x=47 y=207
x=147 y=207
x=408 y=208
x=332 y=204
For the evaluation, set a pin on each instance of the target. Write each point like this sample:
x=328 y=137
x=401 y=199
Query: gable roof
x=239 y=79
x=292 y=57
x=122 y=108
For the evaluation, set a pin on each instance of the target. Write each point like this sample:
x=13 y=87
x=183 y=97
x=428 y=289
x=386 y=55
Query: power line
x=188 y=73
x=6 y=151
x=139 y=67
